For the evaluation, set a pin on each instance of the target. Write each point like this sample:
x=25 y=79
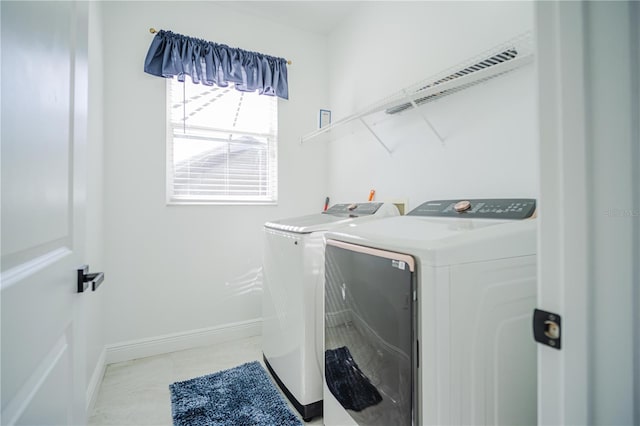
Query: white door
x=44 y=101
x=589 y=250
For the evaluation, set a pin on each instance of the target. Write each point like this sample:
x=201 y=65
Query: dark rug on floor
x=347 y=382
x=243 y=395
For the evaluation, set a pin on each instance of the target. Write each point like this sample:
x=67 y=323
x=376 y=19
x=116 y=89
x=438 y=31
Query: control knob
x=462 y=206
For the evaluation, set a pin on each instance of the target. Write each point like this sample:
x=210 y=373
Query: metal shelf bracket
x=374 y=134
x=424 y=117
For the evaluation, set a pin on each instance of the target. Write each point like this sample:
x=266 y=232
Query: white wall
x=490 y=146
x=176 y=268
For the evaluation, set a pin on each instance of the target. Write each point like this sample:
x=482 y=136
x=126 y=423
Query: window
x=221 y=145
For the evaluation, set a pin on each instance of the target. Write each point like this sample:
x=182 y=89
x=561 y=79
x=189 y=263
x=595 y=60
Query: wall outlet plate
x=401 y=204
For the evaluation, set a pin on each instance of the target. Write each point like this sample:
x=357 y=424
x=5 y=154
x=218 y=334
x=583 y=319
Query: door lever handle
x=84 y=278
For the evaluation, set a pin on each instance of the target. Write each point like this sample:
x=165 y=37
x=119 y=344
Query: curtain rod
x=153 y=31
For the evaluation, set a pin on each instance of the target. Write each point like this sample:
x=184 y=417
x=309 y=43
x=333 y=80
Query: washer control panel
x=489 y=208
x=353 y=209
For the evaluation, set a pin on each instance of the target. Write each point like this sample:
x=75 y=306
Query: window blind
x=222 y=145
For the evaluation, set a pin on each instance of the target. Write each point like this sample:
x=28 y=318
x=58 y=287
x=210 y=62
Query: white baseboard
x=127 y=351
x=96 y=381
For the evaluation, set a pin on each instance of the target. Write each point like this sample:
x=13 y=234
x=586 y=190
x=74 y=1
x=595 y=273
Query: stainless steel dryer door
x=370 y=342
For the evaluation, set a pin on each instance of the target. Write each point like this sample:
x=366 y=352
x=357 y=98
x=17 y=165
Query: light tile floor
x=137 y=392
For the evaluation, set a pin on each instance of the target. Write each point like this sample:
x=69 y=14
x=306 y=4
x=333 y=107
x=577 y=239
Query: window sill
x=221 y=203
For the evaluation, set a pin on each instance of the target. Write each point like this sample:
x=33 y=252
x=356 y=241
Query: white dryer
x=428 y=317
x=293 y=274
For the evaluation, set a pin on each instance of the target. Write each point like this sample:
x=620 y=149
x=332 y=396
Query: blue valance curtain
x=210 y=63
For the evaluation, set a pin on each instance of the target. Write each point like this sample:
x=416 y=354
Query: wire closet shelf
x=485 y=66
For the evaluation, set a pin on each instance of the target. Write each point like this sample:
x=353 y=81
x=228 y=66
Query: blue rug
x=242 y=395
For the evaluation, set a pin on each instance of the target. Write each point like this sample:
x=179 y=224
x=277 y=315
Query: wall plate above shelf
x=492 y=63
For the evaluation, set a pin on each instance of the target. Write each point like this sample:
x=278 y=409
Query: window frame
x=170 y=199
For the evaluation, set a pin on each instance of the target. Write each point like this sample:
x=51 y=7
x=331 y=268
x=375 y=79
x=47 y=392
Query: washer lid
x=310 y=223
x=443 y=241
x=337 y=215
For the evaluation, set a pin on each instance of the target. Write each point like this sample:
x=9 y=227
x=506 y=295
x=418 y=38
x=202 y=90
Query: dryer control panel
x=485 y=208
x=353 y=209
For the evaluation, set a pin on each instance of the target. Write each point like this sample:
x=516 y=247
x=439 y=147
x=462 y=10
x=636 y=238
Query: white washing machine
x=428 y=317
x=293 y=298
